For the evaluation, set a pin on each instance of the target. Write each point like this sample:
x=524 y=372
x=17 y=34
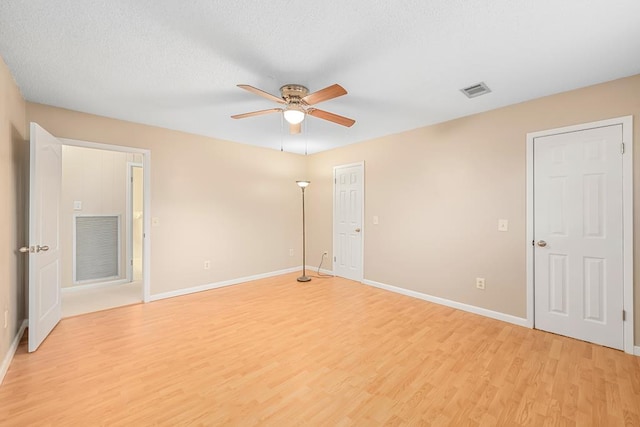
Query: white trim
x=146 y=166
x=627 y=218
x=529 y=242
x=209 y=286
x=636 y=350
x=6 y=362
x=146 y=229
x=449 y=303
x=325 y=271
x=627 y=224
x=362 y=216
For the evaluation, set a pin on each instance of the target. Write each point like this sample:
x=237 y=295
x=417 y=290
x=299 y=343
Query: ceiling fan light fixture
x=294 y=114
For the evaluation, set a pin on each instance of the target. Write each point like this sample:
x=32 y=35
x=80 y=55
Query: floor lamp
x=303 y=278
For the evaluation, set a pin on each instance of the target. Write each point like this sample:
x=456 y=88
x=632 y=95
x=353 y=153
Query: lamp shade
x=294 y=114
x=303 y=184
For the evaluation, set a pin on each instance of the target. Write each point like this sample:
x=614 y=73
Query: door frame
x=129 y=216
x=627 y=219
x=146 y=218
x=362 y=216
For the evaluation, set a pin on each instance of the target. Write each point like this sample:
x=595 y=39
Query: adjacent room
x=335 y=213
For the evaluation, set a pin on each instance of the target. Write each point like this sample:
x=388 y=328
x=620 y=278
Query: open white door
x=44 y=235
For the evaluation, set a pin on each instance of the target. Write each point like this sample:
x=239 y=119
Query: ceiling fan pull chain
x=281 y=133
x=306 y=137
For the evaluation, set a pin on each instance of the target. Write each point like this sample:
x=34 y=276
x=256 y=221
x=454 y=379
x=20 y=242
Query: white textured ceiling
x=175 y=64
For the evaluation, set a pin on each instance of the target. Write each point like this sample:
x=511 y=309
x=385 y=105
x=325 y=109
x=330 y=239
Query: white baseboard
x=453 y=304
x=222 y=284
x=311 y=269
x=12 y=350
x=636 y=350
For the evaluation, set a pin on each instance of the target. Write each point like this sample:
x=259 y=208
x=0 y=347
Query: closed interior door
x=348 y=230
x=578 y=235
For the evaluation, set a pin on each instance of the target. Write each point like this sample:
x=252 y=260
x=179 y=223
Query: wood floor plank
x=328 y=352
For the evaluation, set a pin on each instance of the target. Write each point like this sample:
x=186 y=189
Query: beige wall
x=14 y=158
x=97 y=179
x=235 y=205
x=440 y=190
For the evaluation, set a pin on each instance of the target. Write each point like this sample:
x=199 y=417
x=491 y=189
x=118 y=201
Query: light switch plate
x=77 y=205
x=503 y=225
x=375 y=219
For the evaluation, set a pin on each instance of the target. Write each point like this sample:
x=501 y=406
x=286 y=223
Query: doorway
x=348 y=221
x=101 y=184
x=579 y=226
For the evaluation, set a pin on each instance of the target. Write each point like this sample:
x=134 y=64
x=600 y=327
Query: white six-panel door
x=44 y=235
x=578 y=235
x=347 y=218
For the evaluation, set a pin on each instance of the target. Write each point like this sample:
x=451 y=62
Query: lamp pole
x=303 y=278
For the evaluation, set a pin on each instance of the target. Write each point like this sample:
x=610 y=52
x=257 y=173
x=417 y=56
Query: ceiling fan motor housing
x=293 y=93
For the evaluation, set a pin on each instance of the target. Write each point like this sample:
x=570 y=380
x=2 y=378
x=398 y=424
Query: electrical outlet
x=207 y=265
x=480 y=282
x=290 y=252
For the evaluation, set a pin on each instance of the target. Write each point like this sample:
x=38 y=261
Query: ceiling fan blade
x=325 y=94
x=262 y=93
x=256 y=113
x=294 y=129
x=321 y=114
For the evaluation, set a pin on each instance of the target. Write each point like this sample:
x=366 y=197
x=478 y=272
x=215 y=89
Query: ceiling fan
x=298 y=103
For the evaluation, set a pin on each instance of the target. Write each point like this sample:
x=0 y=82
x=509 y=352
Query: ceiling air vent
x=476 y=90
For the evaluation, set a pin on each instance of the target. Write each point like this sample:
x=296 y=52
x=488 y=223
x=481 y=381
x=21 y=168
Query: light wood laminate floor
x=330 y=352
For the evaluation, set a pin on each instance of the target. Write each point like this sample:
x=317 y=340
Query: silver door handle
x=357 y=230
x=36 y=248
x=542 y=243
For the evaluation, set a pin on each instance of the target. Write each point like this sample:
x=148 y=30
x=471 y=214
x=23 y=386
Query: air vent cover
x=476 y=90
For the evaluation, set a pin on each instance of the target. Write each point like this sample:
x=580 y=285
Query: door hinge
x=622 y=148
x=334 y=259
x=624 y=315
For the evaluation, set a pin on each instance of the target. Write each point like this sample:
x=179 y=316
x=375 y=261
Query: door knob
x=542 y=243
x=36 y=248
x=357 y=230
